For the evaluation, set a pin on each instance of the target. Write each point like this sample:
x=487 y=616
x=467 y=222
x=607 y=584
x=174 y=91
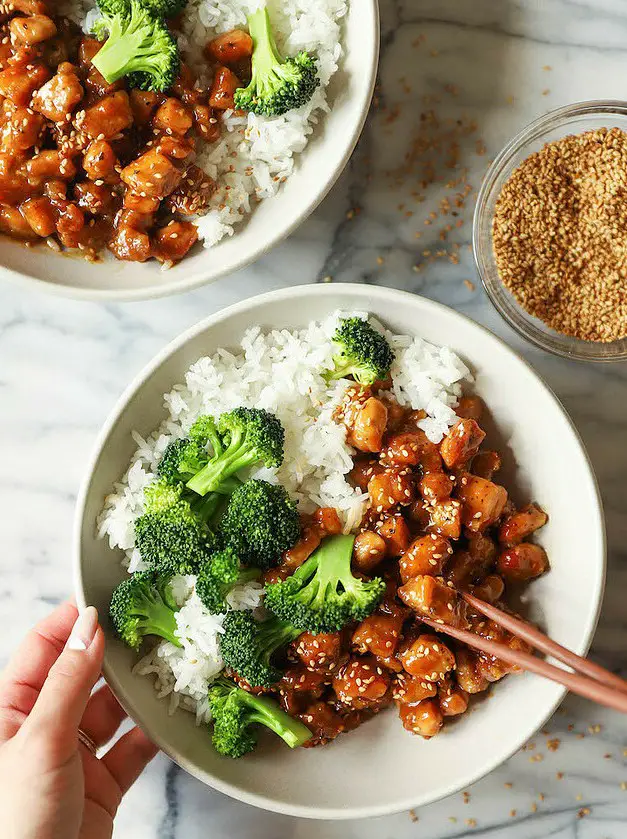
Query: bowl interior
x=542 y=450
x=316 y=171
x=573 y=119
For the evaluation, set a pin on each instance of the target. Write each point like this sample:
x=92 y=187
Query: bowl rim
x=369 y=14
x=532 y=131
x=297 y=293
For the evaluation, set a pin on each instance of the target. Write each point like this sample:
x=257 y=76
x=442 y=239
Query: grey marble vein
x=63 y=363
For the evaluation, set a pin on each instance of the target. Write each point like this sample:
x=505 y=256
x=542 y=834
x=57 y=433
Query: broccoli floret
x=277 y=85
x=363 y=353
x=322 y=595
x=143 y=605
x=217 y=577
x=260 y=522
x=182 y=459
x=139 y=45
x=247 y=646
x=172 y=536
x=235 y=711
x=250 y=435
x=159 y=8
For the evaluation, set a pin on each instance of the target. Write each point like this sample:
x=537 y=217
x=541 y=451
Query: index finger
x=27 y=670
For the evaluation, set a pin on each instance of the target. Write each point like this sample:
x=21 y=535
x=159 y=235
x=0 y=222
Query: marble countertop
x=458 y=77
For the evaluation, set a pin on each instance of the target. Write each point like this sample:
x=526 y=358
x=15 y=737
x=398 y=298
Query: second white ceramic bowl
x=317 y=169
x=380 y=768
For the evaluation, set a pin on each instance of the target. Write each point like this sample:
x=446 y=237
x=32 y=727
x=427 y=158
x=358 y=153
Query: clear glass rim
x=579 y=350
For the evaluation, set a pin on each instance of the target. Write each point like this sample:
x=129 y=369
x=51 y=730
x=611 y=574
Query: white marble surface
x=63 y=363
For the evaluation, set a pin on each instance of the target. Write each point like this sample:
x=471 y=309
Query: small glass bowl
x=572 y=119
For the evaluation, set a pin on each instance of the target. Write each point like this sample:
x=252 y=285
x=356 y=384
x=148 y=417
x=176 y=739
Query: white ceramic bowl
x=317 y=169
x=380 y=768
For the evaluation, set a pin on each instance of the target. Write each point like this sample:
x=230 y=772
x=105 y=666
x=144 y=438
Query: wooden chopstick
x=547 y=645
x=585 y=686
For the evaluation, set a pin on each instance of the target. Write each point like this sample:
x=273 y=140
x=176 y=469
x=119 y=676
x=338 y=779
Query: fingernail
x=84 y=629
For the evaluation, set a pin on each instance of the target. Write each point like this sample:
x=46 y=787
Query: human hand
x=53 y=786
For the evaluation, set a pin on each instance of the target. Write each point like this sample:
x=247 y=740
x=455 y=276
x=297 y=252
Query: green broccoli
x=138 y=45
x=259 y=523
x=247 y=646
x=235 y=711
x=251 y=436
x=158 y=8
x=277 y=85
x=218 y=576
x=173 y=536
x=363 y=353
x=143 y=605
x=181 y=460
x=322 y=595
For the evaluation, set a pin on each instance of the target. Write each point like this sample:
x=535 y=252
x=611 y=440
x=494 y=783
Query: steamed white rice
x=281 y=372
x=255 y=154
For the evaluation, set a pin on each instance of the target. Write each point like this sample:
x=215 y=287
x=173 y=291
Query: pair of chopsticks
x=591 y=680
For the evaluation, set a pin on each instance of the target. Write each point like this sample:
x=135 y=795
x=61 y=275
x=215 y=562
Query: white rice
x=280 y=371
x=255 y=154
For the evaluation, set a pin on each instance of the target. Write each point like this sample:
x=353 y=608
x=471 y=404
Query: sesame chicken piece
x=174 y=147
x=324 y=723
x=490 y=589
x=144 y=103
x=130 y=245
x=230 y=48
x=403 y=449
x=207 y=122
x=453 y=700
x=364 y=467
x=223 y=87
x=101 y=163
x=470 y=407
x=395 y=533
x=366 y=421
x=152 y=174
x=433 y=598
x=445 y=518
x=517 y=527
x=426 y=555
x=468 y=671
x=461 y=443
x=49 y=164
x=378 y=634
x=428 y=658
x=173 y=117
x=174 y=241
x=482 y=502
x=31 y=30
x=25 y=7
x=361 y=682
x=58 y=97
x=13 y=224
x=391 y=487
x=323 y=652
x=193 y=196
x=40 y=215
x=423 y=718
x=70 y=223
x=21 y=130
x=485 y=464
x=368 y=551
x=94 y=199
x=18 y=83
x=411 y=689
x=139 y=203
x=435 y=486
x=107 y=117
x=523 y=562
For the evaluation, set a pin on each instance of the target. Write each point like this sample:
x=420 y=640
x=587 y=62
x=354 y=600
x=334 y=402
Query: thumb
x=62 y=700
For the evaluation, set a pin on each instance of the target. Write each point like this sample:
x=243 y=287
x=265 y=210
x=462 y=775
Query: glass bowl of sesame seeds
x=550 y=231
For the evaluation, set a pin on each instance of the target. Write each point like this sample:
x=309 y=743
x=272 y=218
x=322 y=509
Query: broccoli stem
x=214 y=477
x=265 y=712
x=332 y=562
x=266 y=53
x=160 y=620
